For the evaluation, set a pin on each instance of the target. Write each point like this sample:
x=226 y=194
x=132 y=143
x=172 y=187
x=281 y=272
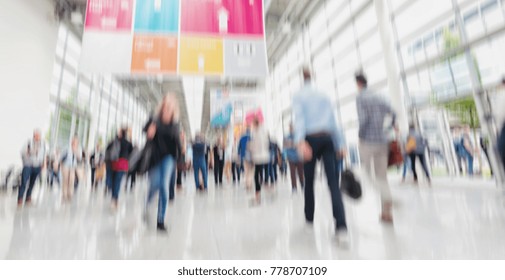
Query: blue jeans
x=469 y=160
x=200 y=165
x=29 y=175
x=406 y=165
x=159 y=178
x=322 y=147
x=171 y=192
x=108 y=178
x=116 y=178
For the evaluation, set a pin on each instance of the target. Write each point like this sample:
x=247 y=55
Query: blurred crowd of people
x=254 y=160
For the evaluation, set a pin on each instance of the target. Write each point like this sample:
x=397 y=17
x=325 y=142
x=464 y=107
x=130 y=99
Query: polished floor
x=455 y=219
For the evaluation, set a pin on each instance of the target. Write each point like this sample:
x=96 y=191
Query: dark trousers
x=294 y=168
x=28 y=176
x=108 y=178
x=259 y=169
x=322 y=147
x=218 y=171
x=117 y=176
x=501 y=145
x=131 y=178
x=422 y=159
x=171 y=186
x=179 y=177
x=235 y=170
x=272 y=172
x=52 y=176
x=93 y=177
x=486 y=153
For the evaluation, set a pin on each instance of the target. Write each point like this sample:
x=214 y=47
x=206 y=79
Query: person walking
x=372 y=113
x=33 y=155
x=235 y=163
x=119 y=164
x=199 y=162
x=317 y=136
x=295 y=163
x=260 y=155
x=245 y=161
x=163 y=134
x=218 y=156
x=54 y=168
x=69 y=162
x=415 y=147
x=467 y=149
x=95 y=161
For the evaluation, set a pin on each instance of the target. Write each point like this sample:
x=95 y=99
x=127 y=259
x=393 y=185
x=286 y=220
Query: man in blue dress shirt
x=317 y=136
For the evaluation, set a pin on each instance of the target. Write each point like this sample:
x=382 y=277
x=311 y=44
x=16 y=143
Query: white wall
x=28 y=36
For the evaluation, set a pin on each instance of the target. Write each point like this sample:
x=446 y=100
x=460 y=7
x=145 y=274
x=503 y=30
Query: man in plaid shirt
x=372 y=112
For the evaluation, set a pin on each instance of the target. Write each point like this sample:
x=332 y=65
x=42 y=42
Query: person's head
x=256 y=122
x=291 y=128
x=36 y=135
x=98 y=146
x=168 y=110
x=467 y=128
x=123 y=133
x=361 y=80
x=412 y=127
x=306 y=73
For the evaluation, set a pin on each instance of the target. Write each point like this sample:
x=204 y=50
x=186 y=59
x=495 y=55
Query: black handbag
x=144 y=163
x=349 y=185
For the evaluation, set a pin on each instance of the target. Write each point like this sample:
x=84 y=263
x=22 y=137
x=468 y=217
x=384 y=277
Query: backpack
x=112 y=152
x=411 y=144
x=349 y=185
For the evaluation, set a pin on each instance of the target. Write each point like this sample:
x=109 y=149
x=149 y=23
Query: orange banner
x=154 y=54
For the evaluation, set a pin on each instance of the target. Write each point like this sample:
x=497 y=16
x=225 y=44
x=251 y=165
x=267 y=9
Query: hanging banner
x=198 y=37
x=220 y=17
x=109 y=15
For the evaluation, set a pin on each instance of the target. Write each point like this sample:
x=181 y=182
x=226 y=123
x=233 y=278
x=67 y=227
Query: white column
x=391 y=63
x=95 y=95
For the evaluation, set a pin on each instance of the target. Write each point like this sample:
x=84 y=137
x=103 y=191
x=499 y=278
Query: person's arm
x=362 y=113
x=148 y=123
x=299 y=123
x=25 y=152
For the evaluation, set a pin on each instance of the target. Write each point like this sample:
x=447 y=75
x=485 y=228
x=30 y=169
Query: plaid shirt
x=372 y=110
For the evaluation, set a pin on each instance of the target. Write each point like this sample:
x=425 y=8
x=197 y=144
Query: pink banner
x=109 y=15
x=221 y=17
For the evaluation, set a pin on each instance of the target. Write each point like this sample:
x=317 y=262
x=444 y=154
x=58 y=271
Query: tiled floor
x=455 y=219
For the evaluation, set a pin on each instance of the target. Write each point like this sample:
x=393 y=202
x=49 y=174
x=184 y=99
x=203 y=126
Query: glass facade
x=343 y=37
x=82 y=104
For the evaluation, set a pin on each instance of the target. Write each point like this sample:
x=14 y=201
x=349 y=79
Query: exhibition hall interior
x=252 y=129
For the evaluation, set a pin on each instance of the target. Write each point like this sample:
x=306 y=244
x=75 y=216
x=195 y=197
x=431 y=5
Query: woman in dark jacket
x=163 y=133
x=120 y=166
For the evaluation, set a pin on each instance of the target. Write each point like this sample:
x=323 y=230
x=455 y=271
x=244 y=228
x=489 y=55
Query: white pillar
x=95 y=95
x=391 y=63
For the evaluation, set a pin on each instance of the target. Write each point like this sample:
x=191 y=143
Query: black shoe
x=161 y=227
